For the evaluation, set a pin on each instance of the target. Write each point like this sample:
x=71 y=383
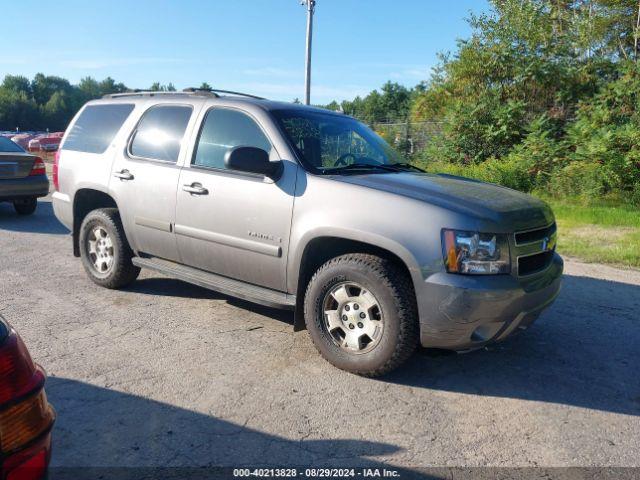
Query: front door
x=231 y=223
x=145 y=178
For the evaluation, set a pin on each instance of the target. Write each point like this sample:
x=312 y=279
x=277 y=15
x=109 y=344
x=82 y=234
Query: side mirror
x=252 y=160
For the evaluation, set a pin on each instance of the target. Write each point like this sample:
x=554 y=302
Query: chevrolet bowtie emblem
x=545 y=244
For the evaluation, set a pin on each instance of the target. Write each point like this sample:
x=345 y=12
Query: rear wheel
x=104 y=250
x=26 y=206
x=361 y=313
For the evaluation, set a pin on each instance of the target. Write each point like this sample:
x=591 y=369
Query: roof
x=227 y=95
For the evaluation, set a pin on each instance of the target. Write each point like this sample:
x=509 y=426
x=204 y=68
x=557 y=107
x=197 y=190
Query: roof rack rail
x=216 y=91
x=209 y=92
x=152 y=93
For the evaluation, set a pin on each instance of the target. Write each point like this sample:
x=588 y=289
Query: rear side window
x=159 y=133
x=95 y=128
x=223 y=130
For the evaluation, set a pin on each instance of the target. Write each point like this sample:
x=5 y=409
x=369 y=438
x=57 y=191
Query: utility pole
x=311 y=6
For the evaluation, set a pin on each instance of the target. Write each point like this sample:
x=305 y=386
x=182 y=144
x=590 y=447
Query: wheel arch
x=320 y=249
x=86 y=200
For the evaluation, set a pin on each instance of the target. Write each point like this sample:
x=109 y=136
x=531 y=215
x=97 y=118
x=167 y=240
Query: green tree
x=17 y=111
x=44 y=86
x=17 y=83
x=89 y=88
x=57 y=112
x=109 y=85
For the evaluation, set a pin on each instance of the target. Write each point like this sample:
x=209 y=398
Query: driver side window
x=222 y=130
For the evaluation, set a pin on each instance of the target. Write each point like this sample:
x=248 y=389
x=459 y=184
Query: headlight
x=475 y=253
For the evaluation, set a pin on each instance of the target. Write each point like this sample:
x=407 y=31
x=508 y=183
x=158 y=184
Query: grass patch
x=603 y=233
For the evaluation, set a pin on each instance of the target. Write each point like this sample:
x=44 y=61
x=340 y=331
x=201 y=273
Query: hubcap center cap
x=350 y=313
x=353 y=316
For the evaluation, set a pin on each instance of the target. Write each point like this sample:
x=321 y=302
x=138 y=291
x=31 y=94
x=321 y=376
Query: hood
x=485 y=201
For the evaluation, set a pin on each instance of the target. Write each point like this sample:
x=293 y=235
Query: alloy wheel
x=353 y=317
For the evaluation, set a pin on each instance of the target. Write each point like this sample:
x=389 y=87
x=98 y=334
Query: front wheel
x=26 y=206
x=104 y=250
x=361 y=313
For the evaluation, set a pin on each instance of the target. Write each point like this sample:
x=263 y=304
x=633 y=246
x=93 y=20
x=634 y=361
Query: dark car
x=23 y=177
x=26 y=418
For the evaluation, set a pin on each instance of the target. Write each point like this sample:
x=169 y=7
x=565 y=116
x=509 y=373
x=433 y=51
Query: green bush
x=578 y=179
x=476 y=131
x=540 y=152
x=512 y=173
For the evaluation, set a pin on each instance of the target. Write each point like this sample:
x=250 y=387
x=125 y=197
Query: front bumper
x=461 y=312
x=18 y=188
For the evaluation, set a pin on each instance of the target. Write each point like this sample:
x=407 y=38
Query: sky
x=254 y=46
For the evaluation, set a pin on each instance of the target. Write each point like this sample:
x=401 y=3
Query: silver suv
x=302 y=208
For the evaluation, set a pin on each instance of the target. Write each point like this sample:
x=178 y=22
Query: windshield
x=330 y=143
x=7 y=145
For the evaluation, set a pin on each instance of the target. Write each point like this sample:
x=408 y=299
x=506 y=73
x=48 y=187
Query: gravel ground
x=168 y=374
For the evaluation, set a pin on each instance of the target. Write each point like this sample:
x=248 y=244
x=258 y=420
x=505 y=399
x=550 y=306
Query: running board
x=218 y=283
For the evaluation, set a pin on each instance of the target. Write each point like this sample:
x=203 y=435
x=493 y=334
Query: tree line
x=50 y=102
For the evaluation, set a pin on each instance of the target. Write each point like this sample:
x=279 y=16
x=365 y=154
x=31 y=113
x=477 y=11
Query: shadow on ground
x=170 y=287
x=42 y=221
x=98 y=427
x=583 y=352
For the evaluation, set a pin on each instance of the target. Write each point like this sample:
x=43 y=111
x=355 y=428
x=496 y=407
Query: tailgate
x=15 y=165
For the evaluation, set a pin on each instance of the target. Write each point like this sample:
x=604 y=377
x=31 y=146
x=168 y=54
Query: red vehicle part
x=26 y=418
x=38 y=168
x=56 y=164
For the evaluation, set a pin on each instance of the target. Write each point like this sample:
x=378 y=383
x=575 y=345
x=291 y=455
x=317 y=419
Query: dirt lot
x=169 y=374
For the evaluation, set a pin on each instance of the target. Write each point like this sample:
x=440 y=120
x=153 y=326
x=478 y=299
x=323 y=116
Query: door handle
x=123 y=175
x=195 y=189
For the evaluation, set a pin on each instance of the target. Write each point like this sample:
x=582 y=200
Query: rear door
x=145 y=174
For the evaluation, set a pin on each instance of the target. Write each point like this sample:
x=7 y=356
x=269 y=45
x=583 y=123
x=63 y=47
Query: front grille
x=532 y=236
x=534 y=263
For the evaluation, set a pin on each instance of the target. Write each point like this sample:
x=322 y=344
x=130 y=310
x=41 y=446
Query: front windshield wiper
x=406 y=166
x=384 y=167
x=362 y=166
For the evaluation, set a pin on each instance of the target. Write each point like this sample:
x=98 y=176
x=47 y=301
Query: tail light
x=56 y=163
x=25 y=414
x=30 y=463
x=18 y=374
x=25 y=421
x=39 y=168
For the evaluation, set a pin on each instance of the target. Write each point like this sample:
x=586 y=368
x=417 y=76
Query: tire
x=27 y=206
x=109 y=265
x=389 y=286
